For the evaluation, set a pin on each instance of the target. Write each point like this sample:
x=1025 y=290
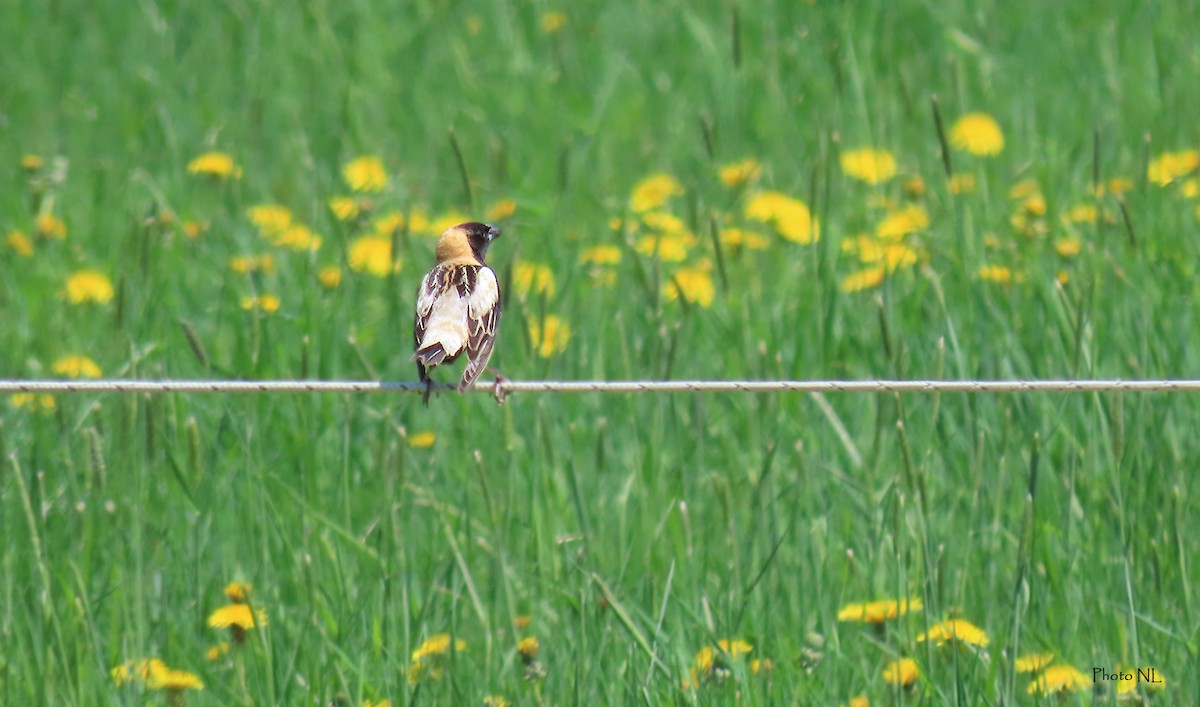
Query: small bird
x=458 y=305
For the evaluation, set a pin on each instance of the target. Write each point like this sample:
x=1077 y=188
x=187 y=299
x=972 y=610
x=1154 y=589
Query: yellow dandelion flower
x=1169 y=166
x=85 y=286
x=1082 y=213
x=76 y=366
x=30 y=401
x=669 y=249
x=601 y=255
x=764 y=666
x=962 y=184
x=217 y=652
x=790 y=217
x=438 y=644
x=1058 y=679
x=270 y=219
x=1033 y=662
x=996 y=273
x=736 y=648
x=1034 y=205
x=914 y=187
x=550 y=336
x=860 y=701
x=1024 y=189
x=736 y=174
x=173 y=680
x=474 y=25
x=902 y=222
x=262 y=303
x=447 y=220
x=877 y=612
x=977 y=133
x=344 y=208
x=330 y=277
x=143 y=670
x=552 y=22
x=528 y=648
x=365 y=174
x=863 y=279
x=32 y=162
x=667 y=223
x=299 y=238
x=901 y=672
x=653 y=192
x=1067 y=247
x=1190 y=188
x=50 y=226
x=869 y=165
x=215 y=164
x=387 y=224
x=695 y=285
x=238 y=617
x=422 y=440
x=19 y=243
x=192 y=229
x=501 y=210
x=535 y=278
x=1062 y=277
x=1147 y=677
x=956 y=630
x=740 y=238
x=430 y=659
x=253 y=263
x=239 y=592
x=372 y=255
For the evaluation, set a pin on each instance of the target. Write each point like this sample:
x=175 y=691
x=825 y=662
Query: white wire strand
x=681 y=386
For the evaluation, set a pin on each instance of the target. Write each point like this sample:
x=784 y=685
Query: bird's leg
x=498 y=385
x=428 y=390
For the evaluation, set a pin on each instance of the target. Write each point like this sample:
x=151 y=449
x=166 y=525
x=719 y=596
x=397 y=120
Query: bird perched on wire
x=458 y=305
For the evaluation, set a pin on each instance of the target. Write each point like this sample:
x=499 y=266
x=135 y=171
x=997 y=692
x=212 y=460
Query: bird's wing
x=483 y=315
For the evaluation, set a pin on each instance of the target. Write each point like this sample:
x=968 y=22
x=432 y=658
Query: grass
x=630 y=532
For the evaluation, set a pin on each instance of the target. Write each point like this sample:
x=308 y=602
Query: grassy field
x=688 y=190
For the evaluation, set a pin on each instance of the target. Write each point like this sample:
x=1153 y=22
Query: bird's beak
x=493 y=233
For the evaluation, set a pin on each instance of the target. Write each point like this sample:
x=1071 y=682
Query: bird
x=458 y=305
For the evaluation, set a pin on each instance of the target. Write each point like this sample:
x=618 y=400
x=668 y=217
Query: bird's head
x=466 y=240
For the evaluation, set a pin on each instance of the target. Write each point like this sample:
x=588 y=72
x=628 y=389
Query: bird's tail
x=431 y=355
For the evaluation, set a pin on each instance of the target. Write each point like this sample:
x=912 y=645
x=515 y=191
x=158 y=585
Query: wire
x=507 y=387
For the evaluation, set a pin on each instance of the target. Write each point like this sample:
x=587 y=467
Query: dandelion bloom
x=709 y=664
x=32 y=162
x=695 y=285
x=387 y=224
x=653 y=192
x=297 y=237
x=501 y=210
x=330 y=277
x=1067 y=247
x=50 y=226
x=422 y=440
x=270 y=219
x=914 y=187
x=790 y=217
x=1081 y=213
x=76 y=367
x=740 y=238
x=137 y=670
x=365 y=174
x=666 y=222
x=192 y=229
x=736 y=174
x=252 y=263
x=601 y=255
x=962 y=184
x=238 y=618
x=1034 y=205
x=901 y=672
x=863 y=279
x=1149 y=677
x=372 y=255
x=996 y=273
x=262 y=303
x=956 y=630
x=238 y=592
x=344 y=208
x=528 y=648
x=1033 y=662
x=430 y=659
x=1169 y=166
x=868 y=165
x=535 y=278
x=19 y=243
x=553 y=21
x=215 y=164
x=860 y=701
x=1058 y=679
x=549 y=336
x=30 y=401
x=902 y=222
x=157 y=675
x=877 y=612
x=217 y=652
x=88 y=286
x=977 y=133
x=668 y=249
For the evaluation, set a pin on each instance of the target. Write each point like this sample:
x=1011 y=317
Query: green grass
x=632 y=530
